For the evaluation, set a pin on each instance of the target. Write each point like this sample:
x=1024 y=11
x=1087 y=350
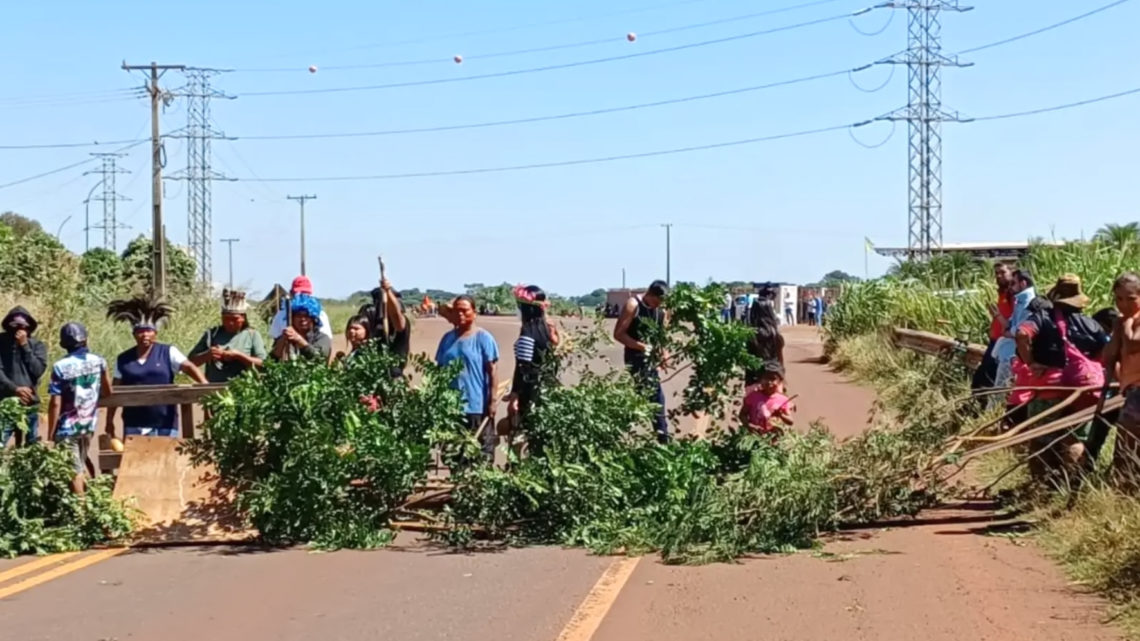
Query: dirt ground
x=945 y=576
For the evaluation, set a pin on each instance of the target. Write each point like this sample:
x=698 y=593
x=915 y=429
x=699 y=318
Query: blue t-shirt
x=476 y=351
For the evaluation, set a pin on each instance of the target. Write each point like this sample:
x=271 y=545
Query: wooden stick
x=384 y=301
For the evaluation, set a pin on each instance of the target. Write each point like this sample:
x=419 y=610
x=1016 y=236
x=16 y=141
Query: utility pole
x=924 y=116
x=668 y=254
x=301 y=200
x=199 y=173
x=230 y=242
x=110 y=196
x=158 y=236
x=623 y=277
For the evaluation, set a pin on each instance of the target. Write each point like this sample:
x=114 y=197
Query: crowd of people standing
x=301 y=329
x=1045 y=350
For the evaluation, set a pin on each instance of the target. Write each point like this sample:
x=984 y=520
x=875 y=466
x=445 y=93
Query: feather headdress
x=142 y=311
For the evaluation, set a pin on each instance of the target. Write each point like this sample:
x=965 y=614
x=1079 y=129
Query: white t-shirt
x=278 y=325
x=177 y=358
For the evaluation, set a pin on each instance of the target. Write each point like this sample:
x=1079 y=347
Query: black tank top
x=637 y=330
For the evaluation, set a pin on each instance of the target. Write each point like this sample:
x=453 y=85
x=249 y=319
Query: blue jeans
x=7 y=430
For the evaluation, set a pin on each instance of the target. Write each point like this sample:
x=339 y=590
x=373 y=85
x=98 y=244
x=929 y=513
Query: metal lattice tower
x=199 y=174
x=110 y=197
x=924 y=115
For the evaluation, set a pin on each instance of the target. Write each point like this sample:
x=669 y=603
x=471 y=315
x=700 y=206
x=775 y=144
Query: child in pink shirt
x=766 y=409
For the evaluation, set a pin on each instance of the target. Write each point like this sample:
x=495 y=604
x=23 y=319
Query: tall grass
x=921 y=296
x=194 y=314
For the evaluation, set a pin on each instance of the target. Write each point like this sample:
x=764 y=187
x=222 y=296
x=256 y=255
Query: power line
x=72 y=145
x=576 y=114
x=1070 y=105
x=666 y=152
x=1044 y=29
x=563 y=163
x=517 y=27
x=47 y=173
x=567 y=65
x=556 y=47
x=562 y=116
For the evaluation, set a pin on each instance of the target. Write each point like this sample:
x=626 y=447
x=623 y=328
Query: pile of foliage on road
x=329 y=456
x=39 y=514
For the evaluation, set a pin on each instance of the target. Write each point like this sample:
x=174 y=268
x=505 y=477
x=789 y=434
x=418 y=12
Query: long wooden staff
x=384 y=300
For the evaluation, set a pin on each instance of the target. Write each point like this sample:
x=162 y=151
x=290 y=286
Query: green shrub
x=40 y=515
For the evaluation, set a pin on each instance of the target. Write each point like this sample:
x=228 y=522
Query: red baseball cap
x=302 y=285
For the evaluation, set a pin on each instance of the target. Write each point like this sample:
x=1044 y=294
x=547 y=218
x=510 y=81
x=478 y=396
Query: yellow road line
x=34 y=565
x=598 y=601
x=63 y=570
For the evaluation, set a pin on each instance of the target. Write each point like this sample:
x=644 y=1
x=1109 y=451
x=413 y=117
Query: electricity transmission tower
x=199 y=173
x=109 y=197
x=924 y=115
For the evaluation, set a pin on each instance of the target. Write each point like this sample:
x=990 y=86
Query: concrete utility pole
x=623 y=277
x=668 y=254
x=230 y=242
x=301 y=200
x=158 y=236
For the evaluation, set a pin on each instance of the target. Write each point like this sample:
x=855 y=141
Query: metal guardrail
x=938 y=345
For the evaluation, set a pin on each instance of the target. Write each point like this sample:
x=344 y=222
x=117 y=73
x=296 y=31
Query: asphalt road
x=938 y=578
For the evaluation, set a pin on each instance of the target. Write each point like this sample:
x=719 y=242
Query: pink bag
x=1079 y=371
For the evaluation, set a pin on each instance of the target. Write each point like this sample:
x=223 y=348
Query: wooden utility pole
x=158 y=236
x=301 y=200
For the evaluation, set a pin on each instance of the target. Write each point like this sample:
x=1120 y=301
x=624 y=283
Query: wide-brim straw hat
x=1068 y=291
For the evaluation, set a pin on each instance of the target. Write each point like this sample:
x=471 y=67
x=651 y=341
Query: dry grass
x=1098 y=543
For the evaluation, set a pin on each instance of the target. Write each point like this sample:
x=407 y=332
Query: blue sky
x=788 y=210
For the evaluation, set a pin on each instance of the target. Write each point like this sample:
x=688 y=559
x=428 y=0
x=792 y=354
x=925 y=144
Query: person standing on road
x=1005 y=349
x=301 y=287
x=817 y=308
x=767 y=343
x=1122 y=360
x=478 y=354
x=77 y=382
x=148 y=363
x=304 y=338
x=766 y=410
x=23 y=360
x=789 y=309
x=1058 y=346
x=388 y=324
x=1000 y=314
x=228 y=350
x=632 y=331
x=726 y=313
x=537 y=337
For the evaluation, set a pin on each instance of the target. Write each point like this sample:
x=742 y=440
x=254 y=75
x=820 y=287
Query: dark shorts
x=1130 y=413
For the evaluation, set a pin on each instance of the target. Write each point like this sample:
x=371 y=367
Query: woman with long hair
x=476 y=349
x=537 y=337
x=355 y=334
x=766 y=344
